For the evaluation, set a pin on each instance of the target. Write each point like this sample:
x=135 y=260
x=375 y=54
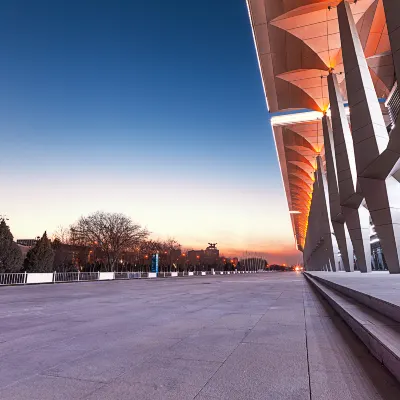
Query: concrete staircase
x=376 y=322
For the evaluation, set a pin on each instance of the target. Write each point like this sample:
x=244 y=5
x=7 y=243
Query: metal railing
x=66 y=276
x=75 y=276
x=18 y=278
x=121 y=275
x=88 y=276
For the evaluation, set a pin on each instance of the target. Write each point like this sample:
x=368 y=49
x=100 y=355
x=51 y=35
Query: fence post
x=98 y=275
x=25 y=277
x=78 y=274
x=54 y=276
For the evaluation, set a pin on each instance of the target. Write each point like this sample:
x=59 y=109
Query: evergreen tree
x=40 y=257
x=10 y=253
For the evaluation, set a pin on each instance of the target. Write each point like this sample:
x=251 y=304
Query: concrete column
x=350 y=194
x=357 y=221
x=337 y=218
x=383 y=200
x=370 y=137
x=330 y=243
x=321 y=249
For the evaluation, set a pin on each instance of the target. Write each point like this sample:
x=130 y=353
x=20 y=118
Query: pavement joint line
x=189 y=359
x=70 y=378
x=308 y=358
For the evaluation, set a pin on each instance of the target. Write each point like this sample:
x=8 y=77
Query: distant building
x=27 y=242
x=209 y=256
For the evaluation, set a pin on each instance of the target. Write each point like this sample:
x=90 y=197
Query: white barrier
x=106 y=276
x=34 y=278
x=39 y=278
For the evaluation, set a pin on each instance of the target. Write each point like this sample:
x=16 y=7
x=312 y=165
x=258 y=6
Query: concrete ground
x=263 y=336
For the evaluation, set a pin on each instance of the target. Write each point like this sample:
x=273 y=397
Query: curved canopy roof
x=298 y=43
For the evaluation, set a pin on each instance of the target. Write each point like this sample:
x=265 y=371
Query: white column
x=350 y=194
x=321 y=250
x=337 y=218
x=370 y=138
x=331 y=248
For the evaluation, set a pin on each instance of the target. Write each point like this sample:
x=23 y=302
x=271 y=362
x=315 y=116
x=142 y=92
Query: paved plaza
x=263 y=336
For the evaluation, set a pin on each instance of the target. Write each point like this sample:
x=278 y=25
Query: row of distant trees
x=108 y=235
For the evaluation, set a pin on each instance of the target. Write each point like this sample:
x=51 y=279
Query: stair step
x=390 y=310
x=379 y=333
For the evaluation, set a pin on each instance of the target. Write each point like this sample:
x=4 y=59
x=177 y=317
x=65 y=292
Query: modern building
x=329 y=72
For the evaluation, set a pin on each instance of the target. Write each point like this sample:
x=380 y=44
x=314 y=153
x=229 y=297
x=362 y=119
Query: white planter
x=106 y=276
x=203 y=273
x=221 y=272
x=228 y=272
x=39 y=278
x=190 y=273
x=152 y=275
x=174 y=274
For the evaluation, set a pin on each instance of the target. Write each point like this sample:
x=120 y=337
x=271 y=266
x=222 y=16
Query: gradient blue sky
x=150 y=108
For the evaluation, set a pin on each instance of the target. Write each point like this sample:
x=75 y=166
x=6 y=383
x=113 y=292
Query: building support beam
x=351 y=197
x=321 y=249
x=370 y=139
x=331 y=248
x=337 y=218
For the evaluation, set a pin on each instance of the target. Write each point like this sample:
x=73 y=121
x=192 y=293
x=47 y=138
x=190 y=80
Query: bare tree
x=62 y=235
x=171 y=244
x=112 y=233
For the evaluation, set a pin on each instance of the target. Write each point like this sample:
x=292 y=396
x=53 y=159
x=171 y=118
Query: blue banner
x=154 y=263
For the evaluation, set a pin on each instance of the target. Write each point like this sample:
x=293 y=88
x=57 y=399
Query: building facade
x=27 y=242
x=329 y=71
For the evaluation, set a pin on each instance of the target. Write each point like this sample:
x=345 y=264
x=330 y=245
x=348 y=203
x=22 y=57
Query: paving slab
x=264 y=336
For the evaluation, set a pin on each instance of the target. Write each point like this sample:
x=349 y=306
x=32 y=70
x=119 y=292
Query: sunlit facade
x=329 y=73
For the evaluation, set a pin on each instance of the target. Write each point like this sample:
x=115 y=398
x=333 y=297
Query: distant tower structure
x=211 y=254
